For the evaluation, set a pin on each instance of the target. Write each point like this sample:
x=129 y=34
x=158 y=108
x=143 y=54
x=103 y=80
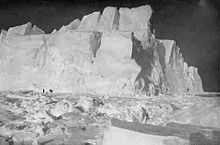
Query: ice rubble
x=35 y=118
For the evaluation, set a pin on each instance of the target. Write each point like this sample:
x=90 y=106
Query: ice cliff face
x=113 y=53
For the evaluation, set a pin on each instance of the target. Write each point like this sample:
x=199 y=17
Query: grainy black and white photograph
x=110 y=72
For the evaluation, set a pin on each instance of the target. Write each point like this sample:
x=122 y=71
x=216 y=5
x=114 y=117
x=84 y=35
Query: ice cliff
x=113 y=53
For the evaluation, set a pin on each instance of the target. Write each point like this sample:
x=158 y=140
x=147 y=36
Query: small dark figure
x=145 y=115
x=51 y=91
x=43 y=91
x=83 y=128
x=157 y=90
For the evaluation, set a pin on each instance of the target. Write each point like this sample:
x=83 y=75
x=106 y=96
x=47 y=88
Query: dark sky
x=194 y=25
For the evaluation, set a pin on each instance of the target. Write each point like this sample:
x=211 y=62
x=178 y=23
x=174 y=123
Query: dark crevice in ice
x=143 y=58
x=116 y=20
x=95 y=42
x=161 y=50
